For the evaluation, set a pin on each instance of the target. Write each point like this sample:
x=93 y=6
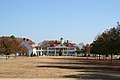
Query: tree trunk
x=15 y=55
x=99 y=56
x=103 y=57
x=87 y=56
x=111 y=57
x=6 y=57
x=95 y=57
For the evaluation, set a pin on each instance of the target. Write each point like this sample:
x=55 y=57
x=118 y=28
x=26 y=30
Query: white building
x=39 y=51
x=56 y=48
x=30 y=45
x=61 y=48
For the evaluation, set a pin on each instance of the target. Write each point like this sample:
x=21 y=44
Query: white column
x=67 y=50
x=55 y=51
x=63 y=51
x=41 y=52
x=47 y=51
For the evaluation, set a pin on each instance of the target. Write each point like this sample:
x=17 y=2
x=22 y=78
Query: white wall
x=29 y=47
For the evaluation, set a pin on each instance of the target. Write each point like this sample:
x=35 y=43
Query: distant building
x=29 y=44
x=39 y=51
x=81 y=46
x=57 y=48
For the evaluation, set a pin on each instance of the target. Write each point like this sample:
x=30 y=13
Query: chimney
x=55 y=41
x=27 y=39
x=24 y=39
x=67 y=41
x=61 y=40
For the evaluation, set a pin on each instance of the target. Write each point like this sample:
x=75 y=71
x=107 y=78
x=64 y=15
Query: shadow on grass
x=102 y=72
x=91 y=61
x=72 y=58
x=80 y=67
x=79 y=63
x=93 y=76
x=93 y=69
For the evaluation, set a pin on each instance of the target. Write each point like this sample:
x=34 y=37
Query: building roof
x=37 y=47
x=27 y=41
x=67 y=44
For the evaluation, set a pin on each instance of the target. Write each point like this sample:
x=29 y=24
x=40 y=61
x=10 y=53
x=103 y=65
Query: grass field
x=59 y=67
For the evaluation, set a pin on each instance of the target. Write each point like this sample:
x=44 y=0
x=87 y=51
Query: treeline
x=11 y=45
x=107 y=43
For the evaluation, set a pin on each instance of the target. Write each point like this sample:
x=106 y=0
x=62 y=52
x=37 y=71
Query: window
x=51 y=48
x=70 y=48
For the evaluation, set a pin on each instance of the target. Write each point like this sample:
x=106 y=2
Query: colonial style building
x=48 y=47
x=29 y=44
x=58 y=48
x=39 y=51
x=62 y=48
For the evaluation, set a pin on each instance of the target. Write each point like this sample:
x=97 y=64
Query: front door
x=60 y=52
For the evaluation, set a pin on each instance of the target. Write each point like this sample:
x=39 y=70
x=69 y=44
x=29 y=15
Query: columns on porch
x=55 y=52
x=67 y=51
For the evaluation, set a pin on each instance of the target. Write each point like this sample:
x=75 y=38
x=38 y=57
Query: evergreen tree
x=108 y=43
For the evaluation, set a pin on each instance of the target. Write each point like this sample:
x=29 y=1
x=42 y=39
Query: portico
x=61 y=49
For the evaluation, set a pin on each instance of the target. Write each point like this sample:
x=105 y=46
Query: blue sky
x=75 y=20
